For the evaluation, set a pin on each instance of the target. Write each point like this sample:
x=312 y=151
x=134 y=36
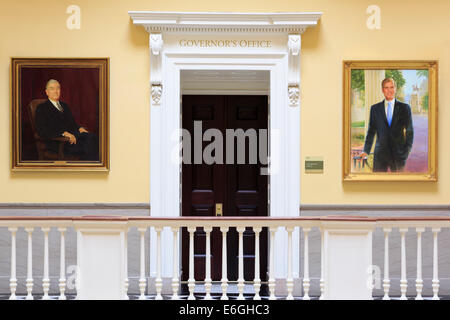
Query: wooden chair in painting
x=43 y=152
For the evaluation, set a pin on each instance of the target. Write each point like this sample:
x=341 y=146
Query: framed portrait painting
x=60 y=114
x=390 y=121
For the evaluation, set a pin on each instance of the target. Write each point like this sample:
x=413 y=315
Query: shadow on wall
x=137 y=34
x=312 y=38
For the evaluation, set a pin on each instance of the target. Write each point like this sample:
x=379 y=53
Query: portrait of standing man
x=391 y=123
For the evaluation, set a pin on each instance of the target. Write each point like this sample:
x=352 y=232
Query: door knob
x=218 y=209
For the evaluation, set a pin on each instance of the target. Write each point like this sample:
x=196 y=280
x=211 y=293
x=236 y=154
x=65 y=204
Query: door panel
x=239 y=187
x=203 y=185
x=247 y=188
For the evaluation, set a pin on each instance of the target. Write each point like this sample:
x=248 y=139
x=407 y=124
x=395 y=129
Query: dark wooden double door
x=240 y=188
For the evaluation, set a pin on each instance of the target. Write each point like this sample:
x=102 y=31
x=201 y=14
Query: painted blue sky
x=411 y=79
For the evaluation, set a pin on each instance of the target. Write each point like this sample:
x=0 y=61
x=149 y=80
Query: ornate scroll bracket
x=156 y=94
x=294 y=95
x=294 y=46
x=156 y=43
x=156 y=47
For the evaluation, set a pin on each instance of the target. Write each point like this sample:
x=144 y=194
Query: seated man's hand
x=363 y=155
x=83 y=130
x=72 y=139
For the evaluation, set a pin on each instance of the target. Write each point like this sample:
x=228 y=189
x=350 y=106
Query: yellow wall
x=409 y=30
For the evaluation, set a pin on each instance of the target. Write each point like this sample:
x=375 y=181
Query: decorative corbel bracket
x=294 y=46
x=156 y=46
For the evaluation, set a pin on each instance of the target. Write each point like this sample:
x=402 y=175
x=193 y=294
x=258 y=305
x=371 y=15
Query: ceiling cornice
x=288 y=22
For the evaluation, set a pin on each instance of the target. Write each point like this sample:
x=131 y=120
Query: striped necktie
x=59 y=106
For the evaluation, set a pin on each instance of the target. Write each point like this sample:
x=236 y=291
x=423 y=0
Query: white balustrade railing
x=328 y=227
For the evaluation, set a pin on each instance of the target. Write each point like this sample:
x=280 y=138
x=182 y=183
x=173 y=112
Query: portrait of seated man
x=391 y=122
x=54 y=119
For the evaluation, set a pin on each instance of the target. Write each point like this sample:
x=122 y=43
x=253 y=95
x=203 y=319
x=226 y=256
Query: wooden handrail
x=248 y=218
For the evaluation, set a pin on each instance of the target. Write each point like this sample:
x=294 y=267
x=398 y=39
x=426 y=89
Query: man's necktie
x=59 y=106
x=389 y=113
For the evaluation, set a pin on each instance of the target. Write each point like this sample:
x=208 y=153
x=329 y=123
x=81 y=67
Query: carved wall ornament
x=294 y=95
x=156 y=94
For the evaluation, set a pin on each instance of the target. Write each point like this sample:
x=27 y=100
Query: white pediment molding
x=291 y=23
x=284 y=22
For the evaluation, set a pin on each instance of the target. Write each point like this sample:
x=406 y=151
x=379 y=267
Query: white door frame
x=282 y=60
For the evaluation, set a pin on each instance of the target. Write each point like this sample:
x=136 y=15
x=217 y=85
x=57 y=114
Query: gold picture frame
x=416 y=82
x=84 y=86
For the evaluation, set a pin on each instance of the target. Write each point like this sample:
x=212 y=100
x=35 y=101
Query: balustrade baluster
x=289 y=280
x=191 y=280
x=322 y=282
x=208 y=281
x=142 y=279
x=29 y=281
x=419 y=281
x=257 y=281
x=306 y=281
x=435 y=283
x=158 y=281
x=13 y=279
x=46 y=278
x=175 y=280
x=125 y=265
x=224 y=280
x=240 y=285
x=62 y=266
x=386 y=280
x=403 y=280
x=271 y=264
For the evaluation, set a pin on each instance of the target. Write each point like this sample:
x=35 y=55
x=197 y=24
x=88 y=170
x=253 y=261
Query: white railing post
x=306 y=283
x=158 y=281
x=386 y=280
x=29 y=281
x=403 y=280
x=191 y=280
x=46 y=279
x=142 y=279
x=289 y=280
x=175 y=280
x=224 y=280
x=13 y=279
x=271 y=264
x=322 y=282
x=348 y=257
x=208 y=281
x=257 y=281
x=240 y=284
x=419 y=281
x=435 y=283
x=62 y=266
x=101 y=258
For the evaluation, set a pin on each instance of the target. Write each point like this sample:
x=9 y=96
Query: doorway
x=233 y=181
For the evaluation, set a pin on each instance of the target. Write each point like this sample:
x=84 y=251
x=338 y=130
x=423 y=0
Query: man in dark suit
x=391 y=121
x=53 y=119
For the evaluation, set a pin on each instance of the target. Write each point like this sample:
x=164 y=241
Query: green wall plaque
x=313 y=164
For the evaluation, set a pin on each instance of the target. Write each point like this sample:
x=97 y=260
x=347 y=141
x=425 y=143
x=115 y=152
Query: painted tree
x=358 y=80
x=423 y=74
x=397 y=76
